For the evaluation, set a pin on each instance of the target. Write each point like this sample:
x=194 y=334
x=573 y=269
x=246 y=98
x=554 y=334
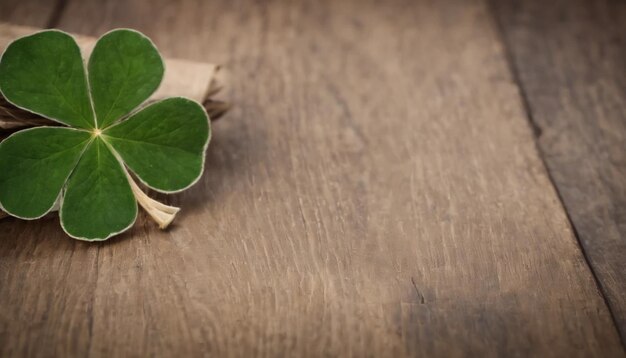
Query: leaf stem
x=161 y=213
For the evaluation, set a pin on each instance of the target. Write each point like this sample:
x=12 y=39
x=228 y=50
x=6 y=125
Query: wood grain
x=38 y=13
x=376 y=191
x=571 y=62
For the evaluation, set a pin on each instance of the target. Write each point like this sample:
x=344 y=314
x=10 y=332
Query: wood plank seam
x=537 y=131
x=419 y=222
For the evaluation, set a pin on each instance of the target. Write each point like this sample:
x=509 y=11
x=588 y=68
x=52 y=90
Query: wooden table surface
x=396 y=178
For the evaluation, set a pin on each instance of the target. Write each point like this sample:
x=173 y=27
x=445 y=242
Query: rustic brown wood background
x=397 y=178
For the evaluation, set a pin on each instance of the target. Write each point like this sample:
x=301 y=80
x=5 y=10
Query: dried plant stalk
x=162 y=214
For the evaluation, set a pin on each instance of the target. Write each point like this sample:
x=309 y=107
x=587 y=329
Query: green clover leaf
x=83 y=164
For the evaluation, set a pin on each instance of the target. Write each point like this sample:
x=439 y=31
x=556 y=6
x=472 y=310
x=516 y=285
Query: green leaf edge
x=84 y=71
x=126 y=170
x=131 y=224
x=86 y=68
x=60 y=196
x=204 y=147
x=115 y=154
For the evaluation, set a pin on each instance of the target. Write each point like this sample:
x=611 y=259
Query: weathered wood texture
x=570 y=57
x=38 y=13
x=376 y=191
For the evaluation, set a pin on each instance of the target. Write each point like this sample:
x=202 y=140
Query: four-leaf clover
x=83 y=164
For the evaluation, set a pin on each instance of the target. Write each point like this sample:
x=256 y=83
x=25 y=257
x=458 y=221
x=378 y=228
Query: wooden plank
x=375 y=192
x=571 y=61
x=38 y=13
